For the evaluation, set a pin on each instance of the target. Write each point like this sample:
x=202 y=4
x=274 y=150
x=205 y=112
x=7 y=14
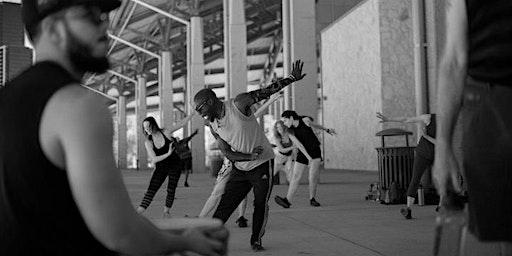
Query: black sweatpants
x=419 y=166
x=239 y=184
x=157 y=179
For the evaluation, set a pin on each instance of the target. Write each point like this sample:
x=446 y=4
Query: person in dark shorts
x=476 y=74
x=60 y=191
x=233 y=122
x=424 y=153
x=301 y=128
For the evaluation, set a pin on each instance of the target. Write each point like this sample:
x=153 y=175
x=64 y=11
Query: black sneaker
x=406 y=212
x=257 y=247
x=242 y=222
x=282 y=201
x=313 y=202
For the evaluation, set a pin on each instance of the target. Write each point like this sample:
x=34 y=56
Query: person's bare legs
x=298 y=169
x=314 y=176
x=288 y=169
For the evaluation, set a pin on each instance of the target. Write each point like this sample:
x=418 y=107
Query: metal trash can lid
x=393 y=132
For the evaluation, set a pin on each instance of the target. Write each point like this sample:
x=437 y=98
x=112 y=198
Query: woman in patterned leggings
x=160 y=146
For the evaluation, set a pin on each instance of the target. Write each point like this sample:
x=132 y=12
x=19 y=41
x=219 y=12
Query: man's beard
x=81 y=57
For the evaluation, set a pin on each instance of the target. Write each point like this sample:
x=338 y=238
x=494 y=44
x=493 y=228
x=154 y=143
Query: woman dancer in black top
x=424 y=153
x=160 y=146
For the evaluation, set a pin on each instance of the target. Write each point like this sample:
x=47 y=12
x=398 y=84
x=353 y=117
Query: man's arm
x=169 y=130
x=309 y=123
x=259 y=112
x=187 y=139
x=452 y=74
x=84 y=130
x=233 y=156
x=244 y=101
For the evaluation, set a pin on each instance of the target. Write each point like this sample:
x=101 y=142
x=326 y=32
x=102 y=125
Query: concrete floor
x=346 y=224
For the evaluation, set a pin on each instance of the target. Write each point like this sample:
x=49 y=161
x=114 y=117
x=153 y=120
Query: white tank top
x=243 y=134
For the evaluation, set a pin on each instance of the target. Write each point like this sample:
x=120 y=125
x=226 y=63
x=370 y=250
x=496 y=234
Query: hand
x=256 y=152
x=297 y=70
x=330 y=131
x=171 y=148
x=445 y=169
x=309 y=158
x=382 y=117
x=207 y=241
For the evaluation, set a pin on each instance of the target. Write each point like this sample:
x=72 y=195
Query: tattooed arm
x=244 y=101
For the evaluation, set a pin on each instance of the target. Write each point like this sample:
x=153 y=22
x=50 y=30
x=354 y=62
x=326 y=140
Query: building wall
x=352 y=87
x=327 y=11
x=397 y=58
x=368 y=67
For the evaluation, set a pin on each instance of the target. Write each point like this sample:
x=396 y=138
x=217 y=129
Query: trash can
x=395 y=167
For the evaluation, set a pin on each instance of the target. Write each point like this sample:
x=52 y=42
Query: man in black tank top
x=60 y=192
x=476 y=70
x=310 y=155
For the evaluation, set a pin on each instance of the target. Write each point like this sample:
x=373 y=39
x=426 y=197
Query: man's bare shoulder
x=77 y=105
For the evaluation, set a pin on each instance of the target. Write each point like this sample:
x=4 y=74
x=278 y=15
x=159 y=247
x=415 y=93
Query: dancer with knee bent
x=224 y=173
x=233 y=121
x=424 y=153
x=310 y=154
x=160 y=146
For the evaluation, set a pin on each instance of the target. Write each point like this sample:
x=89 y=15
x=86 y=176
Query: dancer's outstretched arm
x=244 y=101
x=312 y=124
x=169 y=130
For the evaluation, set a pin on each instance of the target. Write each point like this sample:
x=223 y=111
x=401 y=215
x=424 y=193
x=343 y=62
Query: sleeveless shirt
x=38 y=214
x=286 y=145
x=305 y=135
x=243 y=134
x=171 y=161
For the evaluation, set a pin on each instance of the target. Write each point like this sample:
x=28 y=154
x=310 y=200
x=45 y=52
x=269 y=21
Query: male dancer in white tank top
x=234 y=125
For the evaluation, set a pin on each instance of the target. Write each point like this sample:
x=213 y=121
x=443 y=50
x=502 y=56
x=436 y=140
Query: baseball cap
x=34 y=11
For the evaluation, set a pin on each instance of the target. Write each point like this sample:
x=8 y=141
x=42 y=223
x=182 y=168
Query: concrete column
x=196 y=83
x=287 y=47
x=122 y=141
x=165 y=90
x=140 y=112
x=235 y=47
x=303 y=47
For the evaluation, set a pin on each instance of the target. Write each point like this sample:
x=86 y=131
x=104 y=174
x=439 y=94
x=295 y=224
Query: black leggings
x=421 y=163
x=157 y=179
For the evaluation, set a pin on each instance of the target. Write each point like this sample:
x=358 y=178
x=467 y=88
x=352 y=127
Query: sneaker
x=282 y=201
x=406 y=212
x=314 y=203
x=242 y=222
x=257 y=247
